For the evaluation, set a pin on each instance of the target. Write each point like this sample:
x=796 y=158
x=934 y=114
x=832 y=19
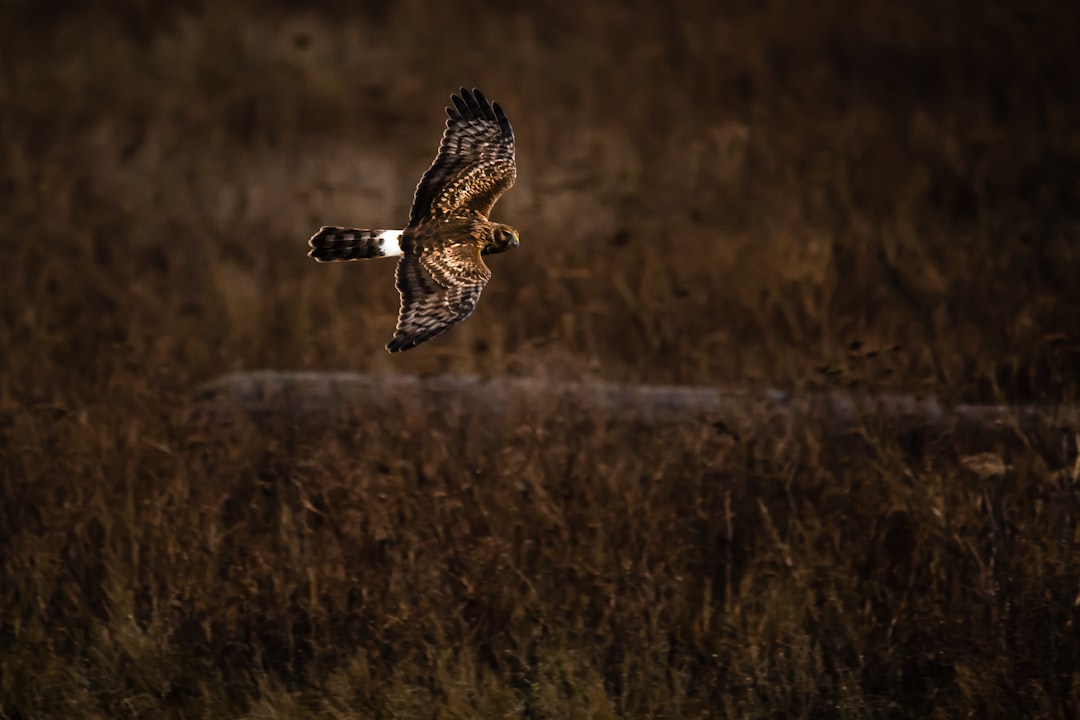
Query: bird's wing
x=439 y=286
x=475 y=163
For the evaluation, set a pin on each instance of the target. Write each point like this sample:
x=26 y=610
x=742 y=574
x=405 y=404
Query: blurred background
x=844 y=193
x=707 y=193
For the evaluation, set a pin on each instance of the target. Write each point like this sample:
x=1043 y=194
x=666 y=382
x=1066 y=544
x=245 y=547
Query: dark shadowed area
x=876 y=195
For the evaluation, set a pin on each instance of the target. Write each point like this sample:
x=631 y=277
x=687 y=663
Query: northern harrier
x=441 y=272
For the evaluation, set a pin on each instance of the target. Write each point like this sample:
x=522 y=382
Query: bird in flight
x=440 y=271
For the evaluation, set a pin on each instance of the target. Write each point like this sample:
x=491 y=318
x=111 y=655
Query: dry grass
x=705 y=196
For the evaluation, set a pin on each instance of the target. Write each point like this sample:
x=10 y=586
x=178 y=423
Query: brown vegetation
x=763 y=192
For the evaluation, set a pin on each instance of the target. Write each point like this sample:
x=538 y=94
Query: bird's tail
x=341 y=243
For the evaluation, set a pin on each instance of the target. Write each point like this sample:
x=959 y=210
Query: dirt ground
x=860 y=194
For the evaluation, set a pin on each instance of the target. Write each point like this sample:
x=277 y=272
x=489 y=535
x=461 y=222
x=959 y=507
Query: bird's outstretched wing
x=439 y=287
x=475 y=163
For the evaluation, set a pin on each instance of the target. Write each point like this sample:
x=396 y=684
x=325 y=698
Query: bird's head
x=503 y=237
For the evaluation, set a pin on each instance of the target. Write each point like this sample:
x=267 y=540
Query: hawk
x=441 y=270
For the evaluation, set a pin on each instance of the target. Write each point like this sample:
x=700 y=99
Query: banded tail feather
x=330 y=244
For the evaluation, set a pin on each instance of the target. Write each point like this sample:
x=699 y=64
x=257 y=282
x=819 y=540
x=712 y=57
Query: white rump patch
x=390 y=241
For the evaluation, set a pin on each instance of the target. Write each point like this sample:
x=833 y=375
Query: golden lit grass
x=411 y=564
x=704 y=197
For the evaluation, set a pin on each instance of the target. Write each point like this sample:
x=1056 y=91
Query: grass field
x=746 y=192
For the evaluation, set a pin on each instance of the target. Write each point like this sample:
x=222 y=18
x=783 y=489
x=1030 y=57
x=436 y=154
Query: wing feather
x=475 y=163
x=439 y=287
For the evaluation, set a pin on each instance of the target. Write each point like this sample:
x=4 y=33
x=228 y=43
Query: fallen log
x=301 y=397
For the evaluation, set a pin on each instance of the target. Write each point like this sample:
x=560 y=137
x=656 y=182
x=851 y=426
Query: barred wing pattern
x=475 y=163
x=439 y=286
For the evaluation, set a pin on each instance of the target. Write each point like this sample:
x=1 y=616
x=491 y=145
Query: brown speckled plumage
x=441 y=272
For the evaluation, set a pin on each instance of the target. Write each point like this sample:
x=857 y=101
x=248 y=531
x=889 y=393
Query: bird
x=440 y=269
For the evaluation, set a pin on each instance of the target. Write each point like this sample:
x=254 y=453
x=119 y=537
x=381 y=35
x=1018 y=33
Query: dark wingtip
x=459 y=106
x=485 y=106
x=397 y=345
x=471 y=103
x=500 y=117
x=461 y=103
